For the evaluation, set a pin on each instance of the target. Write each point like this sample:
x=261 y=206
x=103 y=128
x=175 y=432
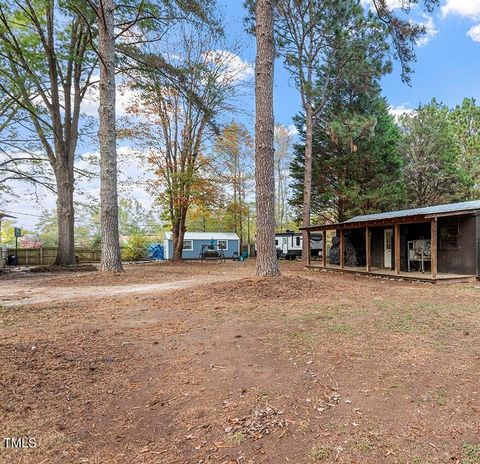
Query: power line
x=22 y=214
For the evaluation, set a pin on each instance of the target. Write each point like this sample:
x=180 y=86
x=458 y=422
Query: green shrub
x=96 y=242
x=135 y=248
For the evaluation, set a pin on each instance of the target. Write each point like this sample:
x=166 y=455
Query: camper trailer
x=289 y=245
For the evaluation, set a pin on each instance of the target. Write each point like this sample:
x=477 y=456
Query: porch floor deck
x=388 y=273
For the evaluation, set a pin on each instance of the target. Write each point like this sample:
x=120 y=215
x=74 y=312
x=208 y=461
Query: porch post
x=307 y=248
x=397 y=248
x=367 y=248
x=433 y=247
x=324 y=248
x=342 y=240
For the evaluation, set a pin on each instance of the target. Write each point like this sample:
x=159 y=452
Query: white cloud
x=474 y=33
x=466 y=8
x=233 y=68
x=292 y=130
x=392 y=4
x=124 y=97
x=400 y=110
x=430 y=31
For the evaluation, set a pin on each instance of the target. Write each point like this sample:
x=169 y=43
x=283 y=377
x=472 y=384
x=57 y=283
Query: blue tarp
x=155 y=251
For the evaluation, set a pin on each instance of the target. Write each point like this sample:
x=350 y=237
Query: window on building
x=222 y=244
x=297 y=241
x=188 y=245
x=276 y=241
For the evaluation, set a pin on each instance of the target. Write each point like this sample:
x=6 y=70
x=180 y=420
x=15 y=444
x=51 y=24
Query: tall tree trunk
x=178 y=234
x=240 y=211
x=110 y=259
x=65 y=217
x=279 y=199
x=307 y=182
x=267 y=264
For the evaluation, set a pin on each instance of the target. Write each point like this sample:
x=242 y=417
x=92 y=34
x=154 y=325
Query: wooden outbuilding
x=194 y=242
x=436 y=243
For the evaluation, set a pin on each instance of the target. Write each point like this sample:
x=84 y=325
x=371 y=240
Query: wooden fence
x=46 y=256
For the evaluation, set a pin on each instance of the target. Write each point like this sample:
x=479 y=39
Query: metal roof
x=287 y=233
x=439 y=209
x=206 y=236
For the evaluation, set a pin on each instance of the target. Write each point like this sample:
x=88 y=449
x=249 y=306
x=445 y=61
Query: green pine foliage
x=365 y=161
x=465 y=121
x=356 y=165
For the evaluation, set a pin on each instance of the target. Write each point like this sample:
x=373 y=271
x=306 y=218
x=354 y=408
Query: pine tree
x=356 y=167
x=267 y=264
x=465 y=120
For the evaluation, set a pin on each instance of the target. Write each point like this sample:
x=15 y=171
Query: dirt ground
x=229 y=368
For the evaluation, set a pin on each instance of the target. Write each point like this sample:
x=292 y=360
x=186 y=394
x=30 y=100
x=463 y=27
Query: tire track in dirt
x=39 y=295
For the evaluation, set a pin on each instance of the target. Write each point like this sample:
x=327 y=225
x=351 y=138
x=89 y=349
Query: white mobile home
x=289 y=244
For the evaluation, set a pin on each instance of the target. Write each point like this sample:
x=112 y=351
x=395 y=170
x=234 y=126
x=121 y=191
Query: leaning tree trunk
x=307 y=182
x=110 y=259
x=65 y=217
x=267 y=264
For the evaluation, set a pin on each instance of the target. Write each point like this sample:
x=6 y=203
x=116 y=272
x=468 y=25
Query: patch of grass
x=342 y=328
x=470 y=309
x=418 y=460
x=420 y=317
x=364 y=445
x=441 y=397
x=319 y=453
x=304 y=427
x=467 y=289
x=238 y=438
x=317 y=313
x=20 y=309
x=383 y=304
x=400 y=323
x=305 y=338
x=426 y=307
x=471 y=454
x=436 y=396
x=410 y=321
x=311 y=316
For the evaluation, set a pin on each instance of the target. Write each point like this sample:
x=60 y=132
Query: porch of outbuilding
x=366 y=235
x=416 y=276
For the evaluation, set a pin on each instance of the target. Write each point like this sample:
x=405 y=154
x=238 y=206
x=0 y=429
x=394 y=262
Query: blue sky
x=447 y=68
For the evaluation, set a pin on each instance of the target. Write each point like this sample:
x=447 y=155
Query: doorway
x=387 y=252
